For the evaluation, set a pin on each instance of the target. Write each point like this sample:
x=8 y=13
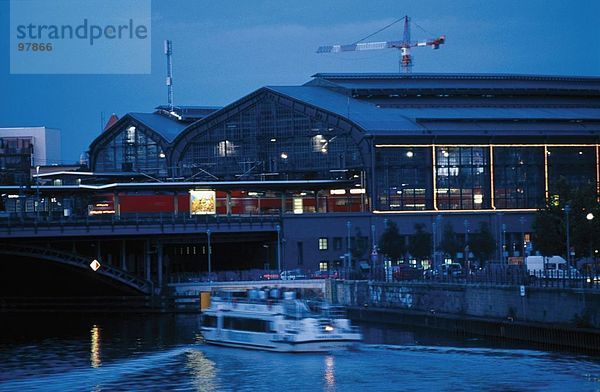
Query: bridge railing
x=12 y=223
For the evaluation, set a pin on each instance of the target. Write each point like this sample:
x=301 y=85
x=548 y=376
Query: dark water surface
x=165 y=352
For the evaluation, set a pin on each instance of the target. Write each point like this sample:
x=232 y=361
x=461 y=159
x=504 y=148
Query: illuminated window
x=298 y=205
x=225 y=148
x=405 y=180
x=518 y=177
x=323 y=266
x=464 y=172
x=323 y=243
x=131 y=135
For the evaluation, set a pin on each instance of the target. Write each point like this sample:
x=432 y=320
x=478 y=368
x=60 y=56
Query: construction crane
x=405 y=45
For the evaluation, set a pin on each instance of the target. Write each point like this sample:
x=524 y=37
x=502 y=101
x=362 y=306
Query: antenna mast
x=169 y=81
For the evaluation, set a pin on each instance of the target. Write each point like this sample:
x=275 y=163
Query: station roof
x=393 y=104
x=167 y=127
x=389 y=104
x=186 y=113
x=499 y=83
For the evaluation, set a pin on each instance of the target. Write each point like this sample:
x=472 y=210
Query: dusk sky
x=226 y=49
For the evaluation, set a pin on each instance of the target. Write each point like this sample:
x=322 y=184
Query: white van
x=550 y=267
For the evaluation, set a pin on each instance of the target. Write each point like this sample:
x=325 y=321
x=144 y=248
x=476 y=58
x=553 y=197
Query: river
x=165 y=352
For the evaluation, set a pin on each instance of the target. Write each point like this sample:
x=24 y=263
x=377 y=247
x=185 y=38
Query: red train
x=241 y=202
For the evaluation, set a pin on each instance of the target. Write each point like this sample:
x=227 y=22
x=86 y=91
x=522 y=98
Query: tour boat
x=262 y=321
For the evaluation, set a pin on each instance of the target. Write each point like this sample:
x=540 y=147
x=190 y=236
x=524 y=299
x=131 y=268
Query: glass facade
x=271 y=141
x=132 y=149
x=404 y=178
x=16 y=158
x=576 y=166
x=462 y=178
x=519 y=177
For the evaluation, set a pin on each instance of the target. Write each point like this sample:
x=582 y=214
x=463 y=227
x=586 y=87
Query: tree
x=585 y=232
x=359 y=245
x=449 y=244
x=549 y=225
x=391 y=243
x=482 y=243
x=420 y=243
x=548 y=231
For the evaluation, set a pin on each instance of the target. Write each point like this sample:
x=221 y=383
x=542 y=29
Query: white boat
x=264 y=322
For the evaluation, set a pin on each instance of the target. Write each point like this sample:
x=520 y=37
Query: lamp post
x=567 y=211
x=209 y=253
x=522 y=222
x=590 y=218
x=438 y=235
x=373 y=241
x=349 y=254
x=467 y=264
x=278 y=228
x=503 y=242
x=37 y=191
x=433 y=243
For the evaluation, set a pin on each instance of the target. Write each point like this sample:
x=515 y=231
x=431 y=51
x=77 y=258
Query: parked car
x=269 y=276
x=325 y=275
x=406 y=272
x=294 y=274
x=452 y=269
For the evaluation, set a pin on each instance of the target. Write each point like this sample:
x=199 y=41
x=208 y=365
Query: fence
x=499 y=275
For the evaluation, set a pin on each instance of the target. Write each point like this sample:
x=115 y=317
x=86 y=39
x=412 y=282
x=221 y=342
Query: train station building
x=342 y=155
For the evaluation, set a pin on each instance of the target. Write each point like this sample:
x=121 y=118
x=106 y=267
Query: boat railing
x=337 y=312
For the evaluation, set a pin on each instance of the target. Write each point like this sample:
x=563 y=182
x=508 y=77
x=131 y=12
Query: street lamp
x=349 y=257
x=567 y=211
x=590 y=218
x=278 y=228
x=522 y=222
x=209 y=253
x=37 y=184
x=467 y=263
x=503 y=243
x=438 y=238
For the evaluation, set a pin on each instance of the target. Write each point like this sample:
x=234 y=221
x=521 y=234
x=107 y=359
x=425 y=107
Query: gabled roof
x=363 y=113
x=111 y=121
x=187 y=113
x=167 y=127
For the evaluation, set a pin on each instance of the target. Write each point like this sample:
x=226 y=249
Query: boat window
x=209 y=321
x=246 y=324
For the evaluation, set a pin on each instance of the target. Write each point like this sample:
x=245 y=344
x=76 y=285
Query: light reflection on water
x=202 y=371
x=329 y=373
x=166 y=353
x=95 y=355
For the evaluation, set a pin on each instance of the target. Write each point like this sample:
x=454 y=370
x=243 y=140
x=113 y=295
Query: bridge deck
x=11 y=228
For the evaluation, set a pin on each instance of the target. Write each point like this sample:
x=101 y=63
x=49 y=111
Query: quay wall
x=557 y=307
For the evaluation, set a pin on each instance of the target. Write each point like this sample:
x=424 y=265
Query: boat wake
x=479 y=351
x=97 y=378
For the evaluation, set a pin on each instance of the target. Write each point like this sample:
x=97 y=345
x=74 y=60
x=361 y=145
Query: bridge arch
x=115 y=274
